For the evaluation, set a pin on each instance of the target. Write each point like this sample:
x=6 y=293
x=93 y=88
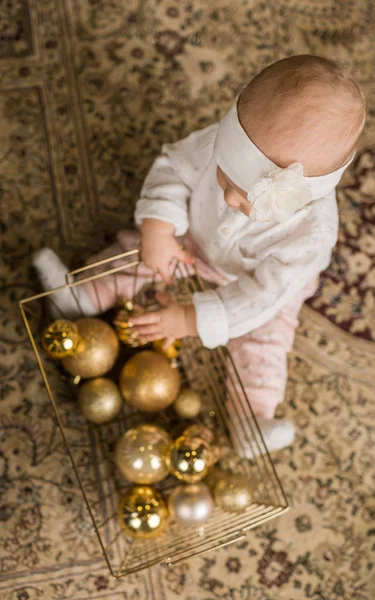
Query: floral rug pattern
x=89 y=90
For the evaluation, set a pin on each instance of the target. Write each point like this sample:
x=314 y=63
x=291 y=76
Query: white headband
x=273 y=192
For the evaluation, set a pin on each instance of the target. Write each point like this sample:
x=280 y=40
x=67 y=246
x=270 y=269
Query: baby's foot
x=277 y=434
x=51 y=272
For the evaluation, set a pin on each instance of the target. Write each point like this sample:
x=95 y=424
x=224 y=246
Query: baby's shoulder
x=319 y=217
x=190 y=155
x=322 y=208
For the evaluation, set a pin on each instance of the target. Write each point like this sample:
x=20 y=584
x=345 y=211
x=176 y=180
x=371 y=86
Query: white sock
x=277 y=434
x=51 y=272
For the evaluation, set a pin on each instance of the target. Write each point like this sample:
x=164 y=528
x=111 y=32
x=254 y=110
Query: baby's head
x=304 y=109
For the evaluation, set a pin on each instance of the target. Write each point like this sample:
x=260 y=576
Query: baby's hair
x=301 y=79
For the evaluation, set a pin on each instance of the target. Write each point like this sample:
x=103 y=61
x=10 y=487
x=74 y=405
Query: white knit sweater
x=266 y=264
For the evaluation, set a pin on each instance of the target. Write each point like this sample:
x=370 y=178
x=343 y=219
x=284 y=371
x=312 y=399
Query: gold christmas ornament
x=189 y=458
x=188 y=403
x=140 y=454
x=171 y=352
x=233 y=492
x=148 y=382
x=100 y=400
x=97 y=351
x=61 y=339
x=191 y=505
x=124 y=329
x=142 y=513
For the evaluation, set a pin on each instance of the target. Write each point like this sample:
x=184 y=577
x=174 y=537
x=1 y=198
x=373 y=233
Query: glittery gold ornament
x=61 y=339
x=124 y=329
x=171 y=352
x=188 y=403
x=140 y=454
x=233 y=492
x=189 y=458
x=100 y=400
x=148 y=382
x=142 y=513
x=191 y=505
x=97 y=351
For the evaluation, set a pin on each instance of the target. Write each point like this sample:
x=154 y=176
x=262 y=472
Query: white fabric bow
x=279 y=194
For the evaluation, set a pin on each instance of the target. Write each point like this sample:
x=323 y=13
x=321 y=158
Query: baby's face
x=233 y=195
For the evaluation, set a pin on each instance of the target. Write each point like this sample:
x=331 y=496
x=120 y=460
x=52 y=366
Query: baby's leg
x=261 y=356
x=106 y=291
x=261 y=360
x=99 y=295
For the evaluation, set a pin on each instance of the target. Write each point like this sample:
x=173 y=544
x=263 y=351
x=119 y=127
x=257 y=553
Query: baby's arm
x=256 y=297
x=161 y=211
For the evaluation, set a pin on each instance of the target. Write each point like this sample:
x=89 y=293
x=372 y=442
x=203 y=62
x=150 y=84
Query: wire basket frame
x=226 y=410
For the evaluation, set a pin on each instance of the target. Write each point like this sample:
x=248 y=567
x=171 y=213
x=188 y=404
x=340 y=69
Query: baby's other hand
x=172 y=322
x=159 y=247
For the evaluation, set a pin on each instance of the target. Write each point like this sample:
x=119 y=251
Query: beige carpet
x=89 y=91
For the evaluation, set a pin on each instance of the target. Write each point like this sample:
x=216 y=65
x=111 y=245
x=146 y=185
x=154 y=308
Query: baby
x=253 y=200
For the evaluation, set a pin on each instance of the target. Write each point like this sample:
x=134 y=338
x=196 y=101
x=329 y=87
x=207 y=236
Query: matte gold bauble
x=142 y=513
x=148 y=382
x=61 y=339
x=171 y=352
x=124 y=329
x=188 y=403
x=233 y=492
x=189 y=458
x=140 y=453
x=100 y=400
x=191 y=505
x=97 y=351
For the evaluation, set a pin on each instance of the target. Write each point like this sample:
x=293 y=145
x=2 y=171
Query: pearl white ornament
x=191 y=505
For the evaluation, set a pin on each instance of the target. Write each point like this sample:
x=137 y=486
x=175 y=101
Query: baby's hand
x=159 y=247
x=173 y=322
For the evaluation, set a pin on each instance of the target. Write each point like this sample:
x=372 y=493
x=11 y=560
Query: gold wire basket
x=225 y=408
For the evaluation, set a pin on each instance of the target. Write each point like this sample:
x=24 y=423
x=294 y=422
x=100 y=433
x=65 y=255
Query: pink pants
x=260 y=356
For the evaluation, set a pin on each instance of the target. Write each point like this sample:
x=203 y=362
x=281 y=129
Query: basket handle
x=70 y=275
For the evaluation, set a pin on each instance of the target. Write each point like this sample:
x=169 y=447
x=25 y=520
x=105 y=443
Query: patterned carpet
x=89 y=91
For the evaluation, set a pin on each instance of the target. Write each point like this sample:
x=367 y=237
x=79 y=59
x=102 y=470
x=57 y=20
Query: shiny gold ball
x=124 y=329
x=189 y=458
x=148 y=382
x=191 y=505
x=188 y=403
x=171 y=352
x=233 y=492
x=100 y=400
x=142 y=513
x=97 y=351
x=61 y=339
x=140 y=454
